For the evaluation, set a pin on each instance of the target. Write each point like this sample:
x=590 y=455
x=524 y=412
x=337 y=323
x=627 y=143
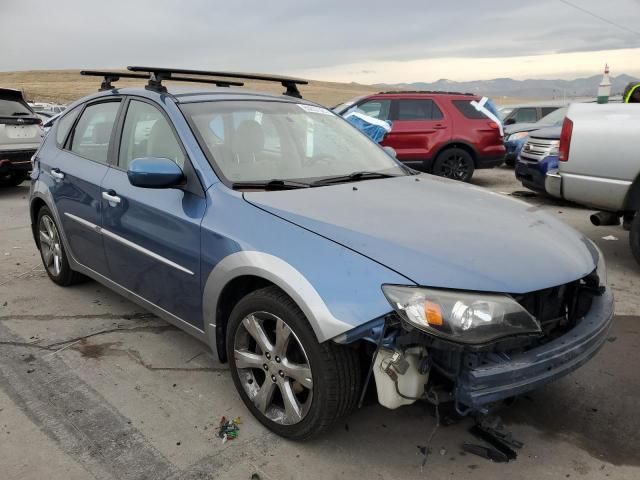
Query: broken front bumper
x=506 y=376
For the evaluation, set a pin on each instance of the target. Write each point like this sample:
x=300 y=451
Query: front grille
x=537 y=149
x=559 y=309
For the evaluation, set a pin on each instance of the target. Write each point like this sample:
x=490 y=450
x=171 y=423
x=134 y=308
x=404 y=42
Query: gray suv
x=20 y=136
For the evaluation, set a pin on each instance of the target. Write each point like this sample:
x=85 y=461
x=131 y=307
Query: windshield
x=555 y=117
x=254 y=141
x=10 y=108
x=504 y=112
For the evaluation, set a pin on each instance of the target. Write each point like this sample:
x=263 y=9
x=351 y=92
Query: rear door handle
x=111 y=197
x=56 y=173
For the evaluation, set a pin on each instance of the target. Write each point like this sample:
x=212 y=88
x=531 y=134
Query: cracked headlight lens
x=465 y=317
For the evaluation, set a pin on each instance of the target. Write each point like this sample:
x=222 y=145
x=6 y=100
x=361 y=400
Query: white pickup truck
x=599 y=164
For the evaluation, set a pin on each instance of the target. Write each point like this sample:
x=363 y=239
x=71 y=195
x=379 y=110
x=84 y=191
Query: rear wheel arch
x=632 y=200
x=36 y=204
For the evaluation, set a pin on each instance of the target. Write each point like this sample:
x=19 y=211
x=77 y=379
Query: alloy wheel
x=273 y=368
x=50 y=245
x=455 y=167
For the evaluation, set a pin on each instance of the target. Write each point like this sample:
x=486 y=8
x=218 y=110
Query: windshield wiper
x=16 y=114
x=353 y=177
x=274 y=184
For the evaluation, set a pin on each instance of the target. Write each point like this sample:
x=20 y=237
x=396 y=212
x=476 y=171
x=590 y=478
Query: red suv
x=436 y=132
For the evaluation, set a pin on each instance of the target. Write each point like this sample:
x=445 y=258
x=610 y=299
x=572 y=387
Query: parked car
x=538 y=156
x=304 y=255
x=598 y=164
x=49 y=109
x=516 y=135
x=436 y=132
x=20 y=135
x=528 y=113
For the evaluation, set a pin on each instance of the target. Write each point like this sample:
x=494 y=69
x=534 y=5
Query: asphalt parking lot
x=92 y=386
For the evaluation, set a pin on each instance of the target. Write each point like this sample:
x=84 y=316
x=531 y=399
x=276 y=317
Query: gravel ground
x=141 y=399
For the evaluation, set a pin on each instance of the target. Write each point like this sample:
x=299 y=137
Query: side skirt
x=152 y=307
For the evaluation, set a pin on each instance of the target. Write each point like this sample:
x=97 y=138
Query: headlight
x=516 y=136
x=463 y=317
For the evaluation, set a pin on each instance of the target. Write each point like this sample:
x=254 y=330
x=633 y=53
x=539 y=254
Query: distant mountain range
x=499 y=87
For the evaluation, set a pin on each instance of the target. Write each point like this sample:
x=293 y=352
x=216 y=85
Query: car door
x=76 y=173
x=152 y=236
x=419 y=128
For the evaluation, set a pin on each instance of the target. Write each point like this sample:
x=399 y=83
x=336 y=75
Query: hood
x=440 y=233
x=519 y=127
x=550 y=133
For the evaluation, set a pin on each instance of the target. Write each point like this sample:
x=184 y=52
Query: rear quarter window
x=468 y=110
x=64 y=125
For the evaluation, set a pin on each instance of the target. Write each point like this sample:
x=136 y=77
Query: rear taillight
x=493 y=125
x=565 y=140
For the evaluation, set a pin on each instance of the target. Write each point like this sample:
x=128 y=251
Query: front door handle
x=439 y=126
x=111 y=197
x=56 y=173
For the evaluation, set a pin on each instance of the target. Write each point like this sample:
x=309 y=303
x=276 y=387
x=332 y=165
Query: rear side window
x=64 y=125
x=147 y=133
x=417 y=109
x=93 y=131
x=468 y=110
x=547 y=110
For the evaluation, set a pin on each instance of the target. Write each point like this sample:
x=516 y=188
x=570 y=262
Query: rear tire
x=327 y=391
x=13 y=179
x=454 y=163
x=634 y=237
x=52 y=251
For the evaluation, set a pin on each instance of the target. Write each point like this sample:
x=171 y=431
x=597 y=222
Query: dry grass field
x=64 y=86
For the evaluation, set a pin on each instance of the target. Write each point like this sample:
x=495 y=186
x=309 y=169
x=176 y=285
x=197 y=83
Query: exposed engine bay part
x=401 y=376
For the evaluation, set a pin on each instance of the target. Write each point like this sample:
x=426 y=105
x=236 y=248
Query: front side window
x=91 y=136
x=252 y=141
x=376 y=108
x=147 y=133
x=526 y=115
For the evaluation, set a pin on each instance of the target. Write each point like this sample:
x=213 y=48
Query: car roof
x=186 y=95
x=414 y=93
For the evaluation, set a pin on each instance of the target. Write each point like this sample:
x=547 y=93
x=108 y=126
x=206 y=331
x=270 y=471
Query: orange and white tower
x=604 y=90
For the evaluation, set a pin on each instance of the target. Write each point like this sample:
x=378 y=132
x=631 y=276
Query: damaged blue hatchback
x=307 y=257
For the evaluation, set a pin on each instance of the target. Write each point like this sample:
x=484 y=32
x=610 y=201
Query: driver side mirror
x=154 y=172
x=390 y=151
x=511 y=121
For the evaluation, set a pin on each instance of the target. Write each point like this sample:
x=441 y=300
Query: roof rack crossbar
x=157 y=74
x=110 y=77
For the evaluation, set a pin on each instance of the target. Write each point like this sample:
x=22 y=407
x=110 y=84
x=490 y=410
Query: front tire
x=454 y=163
x=634 y=236
x=52 y=251
x=292 y=384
